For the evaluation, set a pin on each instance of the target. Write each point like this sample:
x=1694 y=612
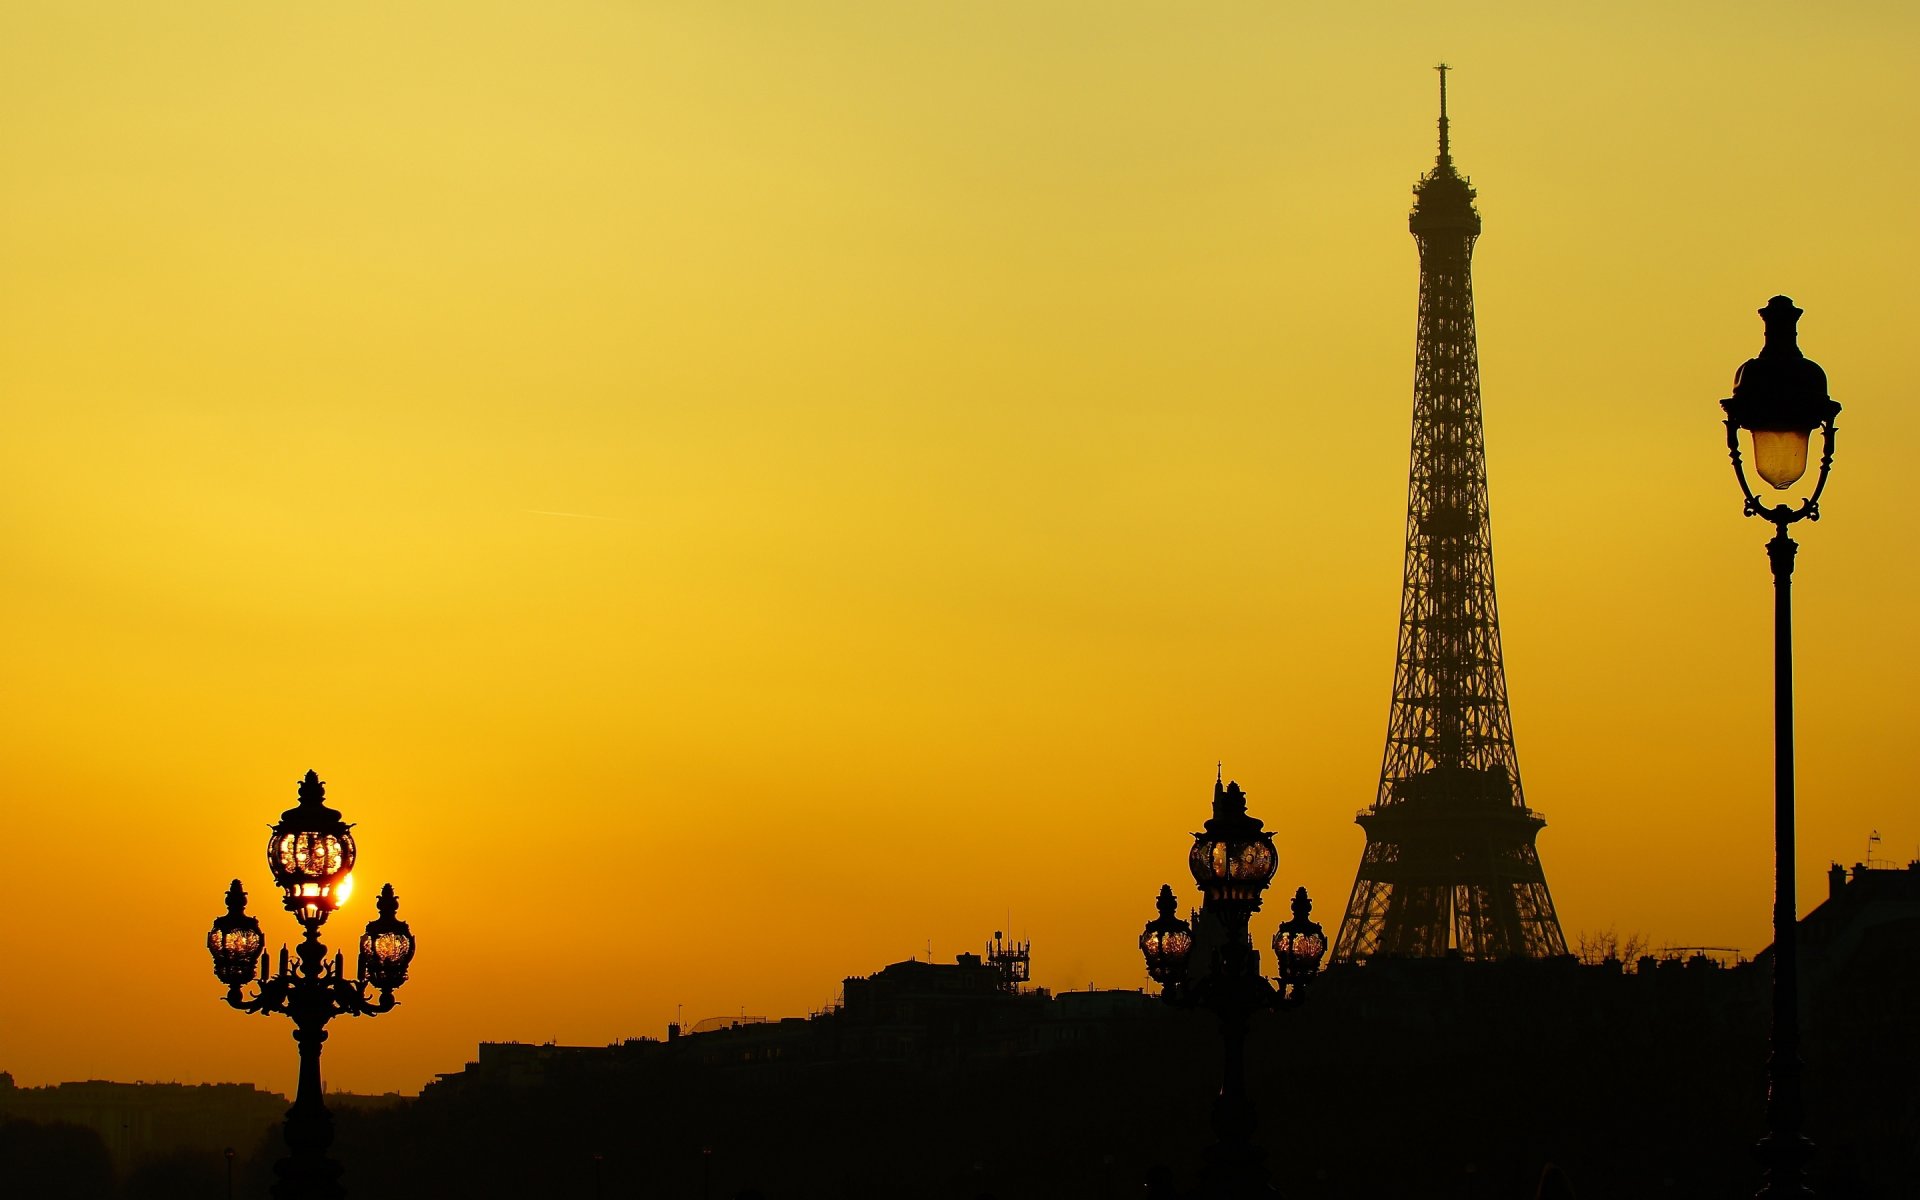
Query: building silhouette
x=1871 y=915
x=139 y=1120
x=935 y=1080
x=1636 y=1078
x=1450 y=865
x=917 y=1013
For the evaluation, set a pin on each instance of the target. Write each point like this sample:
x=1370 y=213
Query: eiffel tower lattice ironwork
x=1450 y=864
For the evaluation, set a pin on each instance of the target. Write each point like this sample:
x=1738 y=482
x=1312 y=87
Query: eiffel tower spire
x=1450 y=861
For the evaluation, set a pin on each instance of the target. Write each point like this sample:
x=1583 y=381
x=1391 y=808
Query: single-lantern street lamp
x=311 y=854
x=1232 y=861
x=1780 y=398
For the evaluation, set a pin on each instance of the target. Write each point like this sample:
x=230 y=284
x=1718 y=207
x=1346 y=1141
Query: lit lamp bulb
x=1167 y=941
x=387 y=947
x=311 y=853
x=1234 y=860
x=1780 y=456
x=1299 y=944
x=235 y=941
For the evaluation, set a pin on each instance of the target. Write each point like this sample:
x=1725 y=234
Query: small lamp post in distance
x=311 y=854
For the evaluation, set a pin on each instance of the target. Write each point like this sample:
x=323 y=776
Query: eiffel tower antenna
x=1450 y=863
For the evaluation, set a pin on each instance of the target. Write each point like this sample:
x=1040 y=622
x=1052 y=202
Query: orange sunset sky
x=730 y=494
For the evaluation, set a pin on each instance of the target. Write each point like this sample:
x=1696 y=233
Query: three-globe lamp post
x=1232 y=861
x=1779 y=398
x=311 y=854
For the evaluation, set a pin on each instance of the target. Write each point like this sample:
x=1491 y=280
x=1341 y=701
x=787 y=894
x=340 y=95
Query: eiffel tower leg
x=1784 y=1150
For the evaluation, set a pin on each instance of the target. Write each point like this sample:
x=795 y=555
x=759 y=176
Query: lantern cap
x=1165 y=902
x=1168 y=906
x=1230 y=817
x=236 y=900
x=312 y=814
x=1780 y=390
x=1302 y=904
x=388 y=904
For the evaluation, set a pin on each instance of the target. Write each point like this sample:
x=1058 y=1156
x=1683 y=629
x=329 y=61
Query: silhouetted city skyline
x=735 y=500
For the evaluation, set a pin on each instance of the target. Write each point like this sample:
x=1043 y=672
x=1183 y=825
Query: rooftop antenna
x=1872 y=840
x=1446 y=155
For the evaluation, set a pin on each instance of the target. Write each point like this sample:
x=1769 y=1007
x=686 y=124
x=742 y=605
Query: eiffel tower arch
x=1450 y=863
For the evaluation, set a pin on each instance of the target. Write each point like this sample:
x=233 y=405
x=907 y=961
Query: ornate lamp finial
x=1782 y=321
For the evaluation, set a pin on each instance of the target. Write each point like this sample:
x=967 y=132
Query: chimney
x=1836 y=881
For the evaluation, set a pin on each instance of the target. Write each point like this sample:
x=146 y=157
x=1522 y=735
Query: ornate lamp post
x=1780 y=398
x=1232 y=861
x=310 y=853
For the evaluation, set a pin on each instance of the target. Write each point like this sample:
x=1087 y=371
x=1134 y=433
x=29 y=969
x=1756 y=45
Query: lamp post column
x=1233 y=1113
x=1236 y=1162
x=307 y=1173
x=1784 y=1149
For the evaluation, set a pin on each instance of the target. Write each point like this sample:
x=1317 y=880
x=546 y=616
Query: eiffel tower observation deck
x=1450 y=864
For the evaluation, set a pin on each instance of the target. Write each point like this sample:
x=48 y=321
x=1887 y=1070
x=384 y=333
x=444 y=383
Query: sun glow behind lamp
x=311 y=855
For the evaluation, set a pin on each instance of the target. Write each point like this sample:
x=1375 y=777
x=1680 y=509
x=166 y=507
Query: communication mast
x=1014 y=960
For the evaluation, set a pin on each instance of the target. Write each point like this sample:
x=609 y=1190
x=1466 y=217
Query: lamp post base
x=1786 y=1158
x=307 y=1173
x=1235 y=1173
x=306 y=1179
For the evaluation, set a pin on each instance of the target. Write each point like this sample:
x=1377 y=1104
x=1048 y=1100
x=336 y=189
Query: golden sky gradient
x=727 y=494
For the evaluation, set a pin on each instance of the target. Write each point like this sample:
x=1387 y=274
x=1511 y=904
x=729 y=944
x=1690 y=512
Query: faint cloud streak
x=545 y=512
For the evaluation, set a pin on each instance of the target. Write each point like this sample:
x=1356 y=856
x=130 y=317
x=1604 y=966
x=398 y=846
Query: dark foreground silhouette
x=1409 y=1079
x=1430 y=1079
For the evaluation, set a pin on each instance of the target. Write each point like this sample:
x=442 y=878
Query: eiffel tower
x=1450 y=864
